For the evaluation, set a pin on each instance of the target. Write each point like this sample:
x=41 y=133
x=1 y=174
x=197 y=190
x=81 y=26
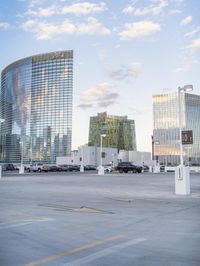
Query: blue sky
x=124 y=52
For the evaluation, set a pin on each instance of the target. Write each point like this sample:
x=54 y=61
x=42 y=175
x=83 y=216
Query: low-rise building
x=137 y=157
x=90 y=155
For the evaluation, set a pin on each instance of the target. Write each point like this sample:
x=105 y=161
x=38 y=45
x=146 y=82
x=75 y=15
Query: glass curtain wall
x=36 y=107
x=166 y=136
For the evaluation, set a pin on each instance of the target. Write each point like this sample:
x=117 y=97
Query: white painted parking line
x=104 y=252
x=11 y=224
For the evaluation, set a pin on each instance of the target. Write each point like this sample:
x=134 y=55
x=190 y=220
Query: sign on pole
x=187 y=137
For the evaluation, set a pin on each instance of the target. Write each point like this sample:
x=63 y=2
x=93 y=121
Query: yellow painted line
x=73 y=250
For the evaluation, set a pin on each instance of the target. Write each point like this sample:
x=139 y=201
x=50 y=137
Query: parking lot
x=70 y=219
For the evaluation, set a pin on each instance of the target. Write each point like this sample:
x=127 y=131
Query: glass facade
x=36 y=108
x=166 y=136
x=120 y=131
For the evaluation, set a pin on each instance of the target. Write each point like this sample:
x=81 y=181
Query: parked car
x=64 y=167
x=125 y=167
x=54 y=168
x=8 y=167
x=74 y=168
x=89 y=167
x=45 y=168
x=108 y=168
x=35 y=167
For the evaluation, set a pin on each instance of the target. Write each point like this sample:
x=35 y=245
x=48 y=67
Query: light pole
x=156 y=165
x=1 y=121
x=113 y=157
x=82 y=165
x=21 y=169
x=101 y=168
x=182 y=174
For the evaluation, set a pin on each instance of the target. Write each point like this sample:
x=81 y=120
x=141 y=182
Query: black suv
x=125 y=167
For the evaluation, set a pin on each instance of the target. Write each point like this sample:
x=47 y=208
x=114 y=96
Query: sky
x=125 y=51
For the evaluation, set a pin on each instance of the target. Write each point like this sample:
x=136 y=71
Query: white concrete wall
x=140 y=157
x=90 y=156
x=137 y=157
x=123 y=156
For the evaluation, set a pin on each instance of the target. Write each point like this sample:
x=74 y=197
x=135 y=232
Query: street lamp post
x=101 y=168
x=82 y=165
x=156 y=165
x=182 y=173
x=21 y=169
x=1 y=121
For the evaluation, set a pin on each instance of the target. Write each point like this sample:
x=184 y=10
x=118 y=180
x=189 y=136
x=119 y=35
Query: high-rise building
x=36 y=108
x=166 y=136
x=119 y=130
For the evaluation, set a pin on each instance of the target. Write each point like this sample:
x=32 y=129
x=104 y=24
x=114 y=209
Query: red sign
x=187 y=137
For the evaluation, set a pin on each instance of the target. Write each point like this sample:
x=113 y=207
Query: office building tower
x=166 y=136
x=36 y=107
x=119 y=131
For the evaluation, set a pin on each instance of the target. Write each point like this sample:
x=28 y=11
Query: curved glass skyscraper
x=36 y=108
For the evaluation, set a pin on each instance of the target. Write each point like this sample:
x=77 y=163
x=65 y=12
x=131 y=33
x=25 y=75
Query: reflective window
x=36 y=103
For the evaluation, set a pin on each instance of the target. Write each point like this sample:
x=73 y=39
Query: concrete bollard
x=21 y=169
x=0 y=171
x=100 y=170
x=182 y=180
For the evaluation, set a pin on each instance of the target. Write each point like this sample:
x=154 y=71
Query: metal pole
x=82 y=164
x=31 y=150
x=152 y=147
x=22 y=146
x=21 y=170
x=101 y=150
x=180 y=126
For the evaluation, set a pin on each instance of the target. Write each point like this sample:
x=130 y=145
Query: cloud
x=105 y=104
x=85 y=105
x=155 y=8
x=92 y=27
x=84 y=8
x=175 y=11
x=127 y=72
x=42 y=12
x=100 y=95
x=195 y=45
x=193 y=32
x=99 y=90
x=4 y=25
x=186 y=65
x=186 y=21
x=189 y=57
x=35 y=2
x=139 y=29
x=46 y=30
x=108 y=96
